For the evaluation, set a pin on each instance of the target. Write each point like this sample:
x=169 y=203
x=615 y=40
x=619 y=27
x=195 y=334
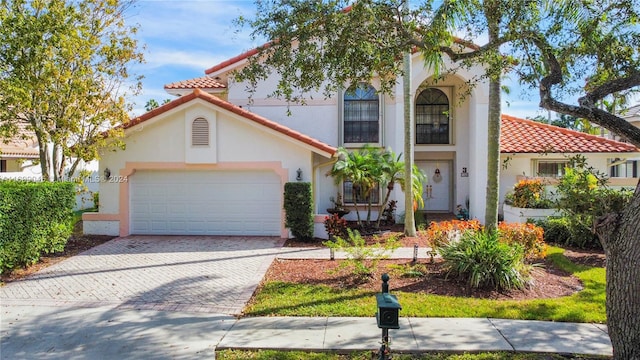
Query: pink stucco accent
x=100 y=217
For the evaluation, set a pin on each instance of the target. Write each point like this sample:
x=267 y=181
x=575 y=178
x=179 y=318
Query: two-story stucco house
x=213 y=161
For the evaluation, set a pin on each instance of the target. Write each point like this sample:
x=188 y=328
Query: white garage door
x=205 y=203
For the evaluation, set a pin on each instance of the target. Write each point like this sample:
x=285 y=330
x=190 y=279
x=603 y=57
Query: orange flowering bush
x=440 y=233
x=531 y=237
x=529 y=193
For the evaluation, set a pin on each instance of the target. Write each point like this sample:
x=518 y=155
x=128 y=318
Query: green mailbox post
x=388 y=315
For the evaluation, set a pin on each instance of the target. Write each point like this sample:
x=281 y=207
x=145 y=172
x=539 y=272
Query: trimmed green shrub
x=556 y=230
x=569 y=231
x=298 y=206
x=582 y=197
x=35 y=218
x=482 y=260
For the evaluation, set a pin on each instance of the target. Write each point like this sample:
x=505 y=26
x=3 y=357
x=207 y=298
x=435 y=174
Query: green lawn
x=289 y=299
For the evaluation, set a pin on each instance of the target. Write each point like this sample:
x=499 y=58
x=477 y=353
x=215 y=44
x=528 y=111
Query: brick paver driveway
x=176 y=273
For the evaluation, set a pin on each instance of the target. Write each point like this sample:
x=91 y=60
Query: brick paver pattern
x=179 y=273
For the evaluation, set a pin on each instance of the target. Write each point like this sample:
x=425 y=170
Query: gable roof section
x=199 y=94
x=527 y=136
x=204 y=82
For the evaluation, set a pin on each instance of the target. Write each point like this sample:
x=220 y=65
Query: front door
x=437 y=190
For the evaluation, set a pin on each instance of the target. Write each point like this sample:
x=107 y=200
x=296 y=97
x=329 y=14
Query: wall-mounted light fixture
x=107 y=173
x=299 y=174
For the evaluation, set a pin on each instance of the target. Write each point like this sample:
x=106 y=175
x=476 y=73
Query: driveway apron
x=171 y=273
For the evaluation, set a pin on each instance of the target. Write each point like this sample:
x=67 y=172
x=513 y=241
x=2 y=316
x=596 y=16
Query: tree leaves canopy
x=64 y=74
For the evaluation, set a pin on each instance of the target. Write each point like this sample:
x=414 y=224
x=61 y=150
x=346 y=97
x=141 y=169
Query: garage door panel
x=205 y=202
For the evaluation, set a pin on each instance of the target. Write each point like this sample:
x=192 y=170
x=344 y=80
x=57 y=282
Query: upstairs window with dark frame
x=361 y=115
x=200 y=132
x=432 y=117
x=3 y=165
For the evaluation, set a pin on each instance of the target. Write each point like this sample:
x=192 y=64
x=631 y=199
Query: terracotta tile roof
x=23 y=145
x=204 y=82
x=199 y=94
x=527 y=136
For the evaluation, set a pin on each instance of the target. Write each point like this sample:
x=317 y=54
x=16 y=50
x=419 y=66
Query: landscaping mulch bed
x=547 y=280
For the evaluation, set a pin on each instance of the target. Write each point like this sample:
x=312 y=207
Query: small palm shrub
x=482 y=260
x=363 y=259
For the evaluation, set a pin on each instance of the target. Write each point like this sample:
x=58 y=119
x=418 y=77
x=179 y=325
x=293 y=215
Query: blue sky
x=185 y=37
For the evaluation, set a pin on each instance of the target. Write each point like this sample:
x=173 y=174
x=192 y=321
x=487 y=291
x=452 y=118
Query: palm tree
x=392 y=171
x=359 y=168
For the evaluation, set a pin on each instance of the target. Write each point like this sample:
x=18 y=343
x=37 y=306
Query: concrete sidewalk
x=37 y=332
x=417 y=335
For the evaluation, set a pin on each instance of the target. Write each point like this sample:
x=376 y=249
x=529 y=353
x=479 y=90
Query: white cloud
x=204 y=22
x=197 y=60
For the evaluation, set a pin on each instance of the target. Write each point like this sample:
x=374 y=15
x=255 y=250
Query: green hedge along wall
x=298 y=206
x=35 y=218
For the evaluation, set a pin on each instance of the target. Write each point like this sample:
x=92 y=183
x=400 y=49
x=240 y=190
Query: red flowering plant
x=335 y=226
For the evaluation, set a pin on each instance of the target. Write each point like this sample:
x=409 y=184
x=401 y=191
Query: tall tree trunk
x=492 y=12
x=54 y=162
x=409 y=220
x=620 y=238
x=43 y=152
x=493 y=156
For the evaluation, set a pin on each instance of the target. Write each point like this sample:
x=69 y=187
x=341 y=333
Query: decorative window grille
x=361 y=115
x=432 y=117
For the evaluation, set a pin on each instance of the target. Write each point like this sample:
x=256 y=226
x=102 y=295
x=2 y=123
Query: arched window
x=361 y=115
x=432 y=117
x=200 y=132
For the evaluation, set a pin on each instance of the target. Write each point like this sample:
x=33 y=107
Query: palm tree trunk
x=382 y=205
x=409 y=220
x=492 y=12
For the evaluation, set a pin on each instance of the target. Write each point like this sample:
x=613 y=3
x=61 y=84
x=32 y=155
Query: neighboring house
x=627 y=166
x=17 y=157
x=532 y=149
x=19 y=160
x=215 y=162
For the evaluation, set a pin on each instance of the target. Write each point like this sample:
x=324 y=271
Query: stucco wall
x=162 y=140
x=320 y=118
